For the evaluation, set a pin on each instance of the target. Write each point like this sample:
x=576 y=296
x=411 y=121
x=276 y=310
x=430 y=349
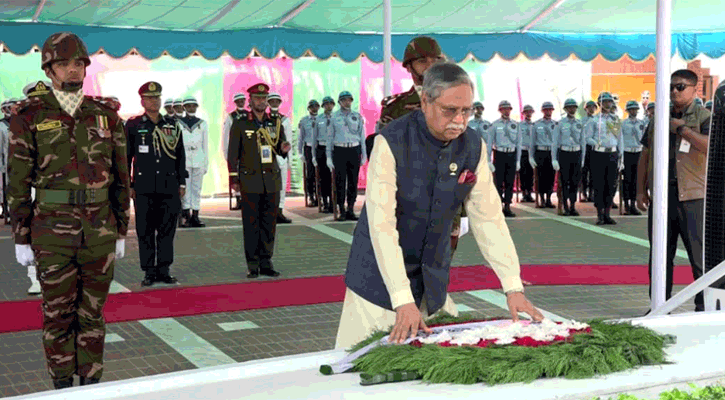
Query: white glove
x=555 y=164
x=464 y=226
x=120 y=248
x=314 y=161
x=491 y=167
x=621 y=166
x=330 y=165
x=518 y=166
x=302 y=159
x=24 y=254
x=532 y=162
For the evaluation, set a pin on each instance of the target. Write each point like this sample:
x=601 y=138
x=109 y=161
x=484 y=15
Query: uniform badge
x=249 y=134
x=578 y=126
x=485 y=126
x=152 y=87
x=552 y=126
x=640 y=126
x=453 y=168
x=46 y=126
x=354 y=118
x=260 y=88
x=102 y=123
x=266 y=154
x=513 y=126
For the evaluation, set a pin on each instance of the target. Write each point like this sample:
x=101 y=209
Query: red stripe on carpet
x=184 y=301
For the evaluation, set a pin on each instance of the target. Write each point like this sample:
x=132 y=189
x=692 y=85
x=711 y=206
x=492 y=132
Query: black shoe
x=327 y=209
x=615 y=206
x=573 y=212
x=63 y=383
x=549 y=204
x=600 y=218
x=167 y=279
x=194 y=221
x=268 y=272
x=89 y=381
x=350 y=215
x=507 y=212
x=528 y=199
x=341 y=215
x=148 y=280
x=634 y=211
x=566 y=212
x=314 y=203
x=609 y=221
x=281 y=219
x=252 y=274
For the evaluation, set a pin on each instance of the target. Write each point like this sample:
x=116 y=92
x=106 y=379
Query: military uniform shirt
x=236 y=114
x=346 y=127
x=196 y=142
x=321 y=134
x=4 y=145
x=307 y=127
x=503 y=133
x=543 y=133
x=633 y=130
x=525 y=130
x=605 y=130
x=568 y=133
x=481 y=126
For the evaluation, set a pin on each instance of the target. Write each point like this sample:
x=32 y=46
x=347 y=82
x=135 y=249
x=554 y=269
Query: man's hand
x=314 y=162
x=532 y=162
x=286 y=147
x=182 y=191
x=517 y=303
x=675 y=123
x=643 y=201
x=330 y=165
x=518 y=165
x=235 y=187
x=555 y=165
x=407 y=322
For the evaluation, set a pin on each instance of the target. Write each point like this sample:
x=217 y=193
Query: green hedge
x=714 y=392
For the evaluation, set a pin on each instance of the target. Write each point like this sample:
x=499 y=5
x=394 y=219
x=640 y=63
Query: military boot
x=281 y=219
x=194 y=221
x=88 y=381
x=341 y=213
x=507 y=211
x=350 y=214
x=63 y=383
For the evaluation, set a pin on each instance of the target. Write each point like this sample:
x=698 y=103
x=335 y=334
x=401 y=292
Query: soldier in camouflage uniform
x=72 y=149
x=4 y=144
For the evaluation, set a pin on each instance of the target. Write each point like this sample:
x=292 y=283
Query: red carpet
x=178 y=302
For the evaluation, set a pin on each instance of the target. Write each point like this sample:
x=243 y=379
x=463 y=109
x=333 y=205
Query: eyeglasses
x=451 y=112
x=680 y=87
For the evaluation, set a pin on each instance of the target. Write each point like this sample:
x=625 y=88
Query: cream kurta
x=360 y=317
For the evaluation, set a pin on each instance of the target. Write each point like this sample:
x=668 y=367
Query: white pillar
x=387 y=46
x=660 y=183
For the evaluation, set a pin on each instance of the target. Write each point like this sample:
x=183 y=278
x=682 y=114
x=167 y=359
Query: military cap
x=605 y=96
x=169 y=103
x=547 y=106
x=591 y=103
x=274 y=96
x=259 y=89
x=37 y=88
x=150 y=89
x=570 y=103
x=14 y=100
x=708 y=105
x=313 y=102
x=477 y=104
x=190 y=100
x=63 y=46
x=632 y=105
x=178 y=102
x=239 y=96
x=344 y=94
x=528 y=107
x=327 y=99
x=420 y=47
x=651 y=105
x=504 y=104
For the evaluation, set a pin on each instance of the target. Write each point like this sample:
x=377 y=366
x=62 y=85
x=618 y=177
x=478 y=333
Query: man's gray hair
x=441 y=76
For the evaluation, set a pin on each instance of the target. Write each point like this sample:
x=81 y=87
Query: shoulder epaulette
x=23 y=105
x=105 y=102
x=392 y=99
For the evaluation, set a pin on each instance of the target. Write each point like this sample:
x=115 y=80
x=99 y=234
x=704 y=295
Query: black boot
x=63 y=383
x=194 y=221
x=607 y=219
x=149 y=279
x=350 y=214
x=507 y=211
x=184 y=219
x=327 y=206
x=600 y=217
x=633 y=209
x=281 y=219
x=313 y=201
x=89 y=381
x=572 y=210
x=341 y=215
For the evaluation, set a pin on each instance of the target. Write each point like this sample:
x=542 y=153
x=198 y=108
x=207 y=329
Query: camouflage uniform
x=77 y=163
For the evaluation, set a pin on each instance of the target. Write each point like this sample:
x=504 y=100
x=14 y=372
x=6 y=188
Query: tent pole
x=387 y=46
x=661 y=152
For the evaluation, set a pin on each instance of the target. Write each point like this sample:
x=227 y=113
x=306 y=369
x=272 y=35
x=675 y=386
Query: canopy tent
x=584 y=28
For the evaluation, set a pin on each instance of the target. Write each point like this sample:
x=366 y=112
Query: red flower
x=467 y=178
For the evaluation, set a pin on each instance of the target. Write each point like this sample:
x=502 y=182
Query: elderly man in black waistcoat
x=424 y=166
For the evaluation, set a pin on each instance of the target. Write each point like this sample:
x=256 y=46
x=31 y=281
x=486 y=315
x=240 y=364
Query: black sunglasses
x=680 y=87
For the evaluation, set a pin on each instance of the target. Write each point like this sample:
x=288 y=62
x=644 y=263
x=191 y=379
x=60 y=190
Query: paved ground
x=313 y=245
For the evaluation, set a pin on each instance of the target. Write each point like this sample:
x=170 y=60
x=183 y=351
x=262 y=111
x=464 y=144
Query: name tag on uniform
x=143 y=148
x=266 y=153
x=49 y=125
x=684 y=146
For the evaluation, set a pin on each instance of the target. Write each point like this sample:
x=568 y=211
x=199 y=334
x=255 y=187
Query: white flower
x=506 y=332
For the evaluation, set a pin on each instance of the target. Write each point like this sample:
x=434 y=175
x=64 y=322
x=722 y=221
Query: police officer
x=542 y=140
x=567 y=155
x=591 y=109
x=320 y=137
x=157 y=159
x=420 y=54
x=345 y=153
x=253 y=143
x=479 y=124
x=75 y=228
x=526 y=172
x=307 y=127
x=604 y=134
x=169 y=108
x=632 y=131
x=239 y=113
x=275 y=100
x=178 y=108
x=196 y=145
x=504 y=142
